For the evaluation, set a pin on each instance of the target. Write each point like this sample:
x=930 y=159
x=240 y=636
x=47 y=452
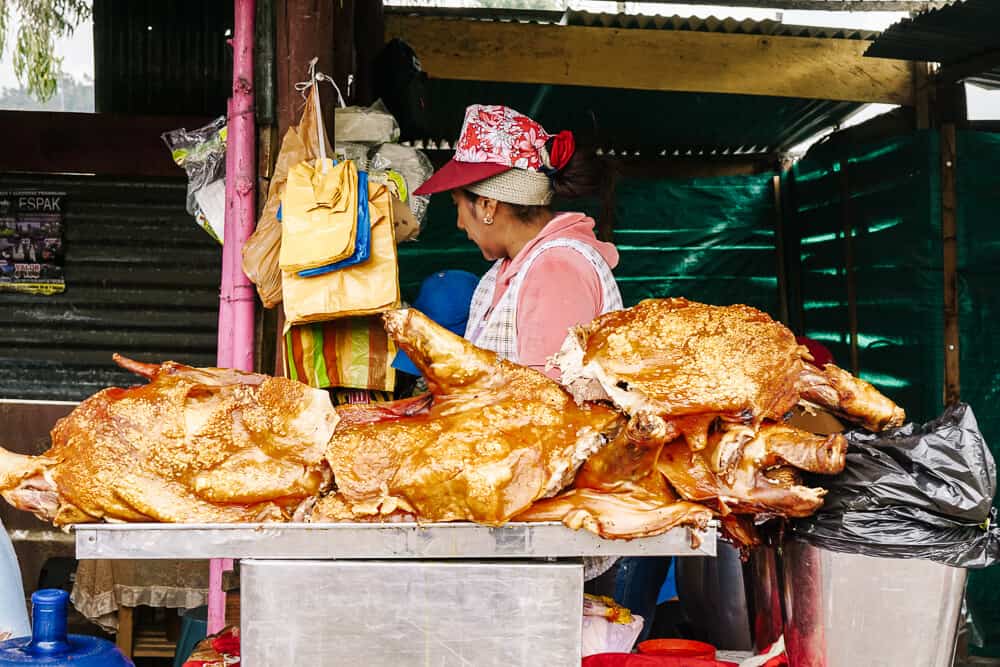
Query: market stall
x=418 y=569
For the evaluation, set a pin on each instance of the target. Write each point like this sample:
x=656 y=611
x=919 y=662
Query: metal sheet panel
x=142 y=279
x=372 y=540
x=952 y=35
x=650 y=122
x=845 y=610
x=380 y=614
x=162 y=57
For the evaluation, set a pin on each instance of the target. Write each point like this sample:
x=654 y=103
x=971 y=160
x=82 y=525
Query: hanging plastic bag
x=202 y=154
x=366 y=125
x=352 y=353
x=404 y=169
x=913 y=492
x=303 y=142
x=365 y=289
x=319 y=214
x=363 y=242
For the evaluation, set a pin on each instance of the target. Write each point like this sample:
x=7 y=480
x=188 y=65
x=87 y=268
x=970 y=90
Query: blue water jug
x=49 y=644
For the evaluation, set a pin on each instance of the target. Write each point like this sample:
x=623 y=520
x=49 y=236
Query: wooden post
x=369 y=37
x=304 y=30
x=779 y=250
x=923 y=92
x=949 y=234
x=852 y=295
x=345 y=62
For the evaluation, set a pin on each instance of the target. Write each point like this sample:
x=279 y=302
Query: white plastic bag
x=202 y=154
x=13 y=612
x=608 y=627
x=366 y=125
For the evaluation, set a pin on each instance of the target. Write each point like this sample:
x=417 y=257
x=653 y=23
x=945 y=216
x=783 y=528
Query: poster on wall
x=31 y=242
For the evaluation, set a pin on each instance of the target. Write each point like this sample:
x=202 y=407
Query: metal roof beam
x=826 y=5
x=977 y=65
x=664 y=60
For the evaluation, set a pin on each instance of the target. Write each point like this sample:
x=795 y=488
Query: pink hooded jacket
x=560 y=290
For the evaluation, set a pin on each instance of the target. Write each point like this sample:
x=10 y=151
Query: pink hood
x=575 y=226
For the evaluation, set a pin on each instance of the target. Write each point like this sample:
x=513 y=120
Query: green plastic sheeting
x=895 y=212
x=709 y=240
x=895 y=209
x=978 y=192
x=441 y=246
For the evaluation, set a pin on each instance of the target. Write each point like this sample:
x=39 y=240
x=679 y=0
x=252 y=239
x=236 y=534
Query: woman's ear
x=487 y=207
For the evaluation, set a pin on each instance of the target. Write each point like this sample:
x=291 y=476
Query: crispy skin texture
x=193 y=445
x=675 y=358
x=497 y=438
x=678 y=357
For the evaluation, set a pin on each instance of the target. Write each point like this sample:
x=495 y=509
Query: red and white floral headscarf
x=503 y=154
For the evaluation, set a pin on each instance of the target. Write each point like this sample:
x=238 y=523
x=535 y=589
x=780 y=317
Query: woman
x=550 y=271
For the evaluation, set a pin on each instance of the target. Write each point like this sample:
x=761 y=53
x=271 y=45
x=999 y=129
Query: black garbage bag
x=913 y=492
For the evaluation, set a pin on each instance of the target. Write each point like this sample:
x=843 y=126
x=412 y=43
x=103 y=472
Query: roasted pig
x=192 y=445
x=674 y=357
x=707 y=389
x=496 y=438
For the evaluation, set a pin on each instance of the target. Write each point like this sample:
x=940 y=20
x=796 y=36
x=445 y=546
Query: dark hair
x=580 y=177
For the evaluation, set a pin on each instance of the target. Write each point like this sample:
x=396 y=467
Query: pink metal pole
x=236 y=298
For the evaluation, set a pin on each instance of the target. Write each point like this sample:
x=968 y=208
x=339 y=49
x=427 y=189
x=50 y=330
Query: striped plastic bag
x=352 y=353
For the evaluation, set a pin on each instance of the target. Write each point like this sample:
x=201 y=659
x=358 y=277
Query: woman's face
x=470 y=216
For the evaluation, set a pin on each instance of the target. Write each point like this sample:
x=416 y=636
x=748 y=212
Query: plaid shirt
x=497 y=330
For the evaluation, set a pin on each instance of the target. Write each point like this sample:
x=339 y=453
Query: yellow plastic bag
x=260 y=253
x=354 y=353
x=364 y=289
x=319 y=214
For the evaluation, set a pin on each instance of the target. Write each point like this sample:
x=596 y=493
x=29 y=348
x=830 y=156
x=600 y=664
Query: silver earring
x=488 y=220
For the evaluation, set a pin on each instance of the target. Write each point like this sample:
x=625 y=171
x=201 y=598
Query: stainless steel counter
x=361 y=541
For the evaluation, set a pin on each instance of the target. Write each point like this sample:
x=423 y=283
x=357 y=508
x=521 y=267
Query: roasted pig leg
x=625 y=515
x=849 y=397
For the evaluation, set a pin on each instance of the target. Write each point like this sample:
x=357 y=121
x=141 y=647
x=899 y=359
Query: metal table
x=396 y=594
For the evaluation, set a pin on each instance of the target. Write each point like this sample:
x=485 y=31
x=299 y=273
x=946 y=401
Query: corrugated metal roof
x=820 y=5
x=651 y=122
x=829 y=5
x=951 y=36
x=640 y=22
x=712 y=24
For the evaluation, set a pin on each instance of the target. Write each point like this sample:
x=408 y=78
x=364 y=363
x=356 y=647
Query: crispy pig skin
x=192 y=445
x=497 y=437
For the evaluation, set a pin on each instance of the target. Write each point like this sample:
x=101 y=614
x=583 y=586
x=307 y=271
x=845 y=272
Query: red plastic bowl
x=680 y=648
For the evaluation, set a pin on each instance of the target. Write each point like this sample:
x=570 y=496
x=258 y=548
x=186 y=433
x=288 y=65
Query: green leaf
x=42 y=23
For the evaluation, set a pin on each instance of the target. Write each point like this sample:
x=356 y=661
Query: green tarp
x=894 y=206
x=978 y=193
x=708 y=240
